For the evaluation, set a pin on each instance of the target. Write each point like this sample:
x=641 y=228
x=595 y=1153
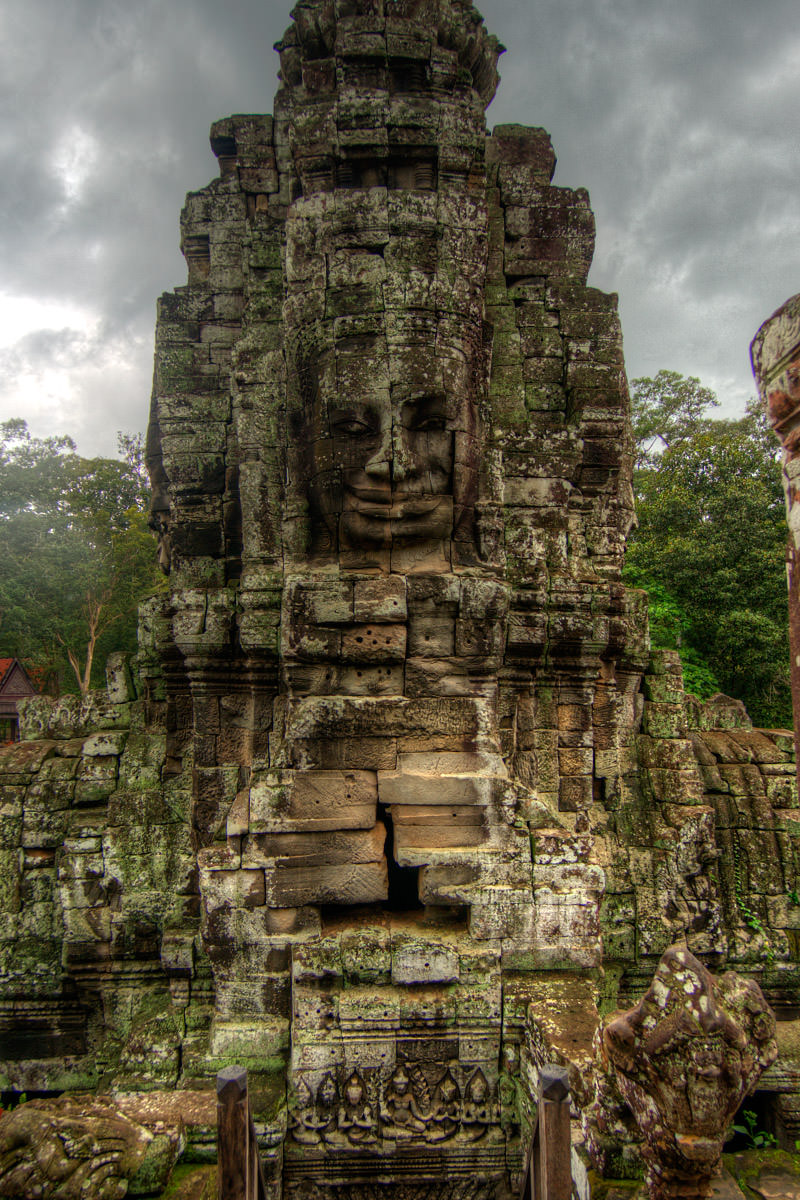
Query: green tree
x=666 y=410
x=710 y=543
x=77 y=555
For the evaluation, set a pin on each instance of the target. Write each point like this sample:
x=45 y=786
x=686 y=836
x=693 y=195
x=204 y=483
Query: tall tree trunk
x=94 y=609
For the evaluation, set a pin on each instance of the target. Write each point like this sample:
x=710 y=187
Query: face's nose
x=379 y=465
x=403 y=462
x=393 y=459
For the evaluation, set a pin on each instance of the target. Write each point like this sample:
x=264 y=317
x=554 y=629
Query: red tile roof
x=15 y=685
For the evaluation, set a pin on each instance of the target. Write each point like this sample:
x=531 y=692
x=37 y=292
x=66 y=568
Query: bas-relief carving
x=442 y=1189
x=405 y=1100
x=356 y=1116
x=446 y=1109
x=410 y=1106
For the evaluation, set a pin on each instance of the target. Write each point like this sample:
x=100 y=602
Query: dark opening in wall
x=12 y=1098
x=225 y=150
x=396 y=173
x=403 y=881
x=409 y=75
x=753 y=1127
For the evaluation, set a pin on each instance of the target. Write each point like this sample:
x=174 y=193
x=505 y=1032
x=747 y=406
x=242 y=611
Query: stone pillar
x=775 y=355
x=683 y=1060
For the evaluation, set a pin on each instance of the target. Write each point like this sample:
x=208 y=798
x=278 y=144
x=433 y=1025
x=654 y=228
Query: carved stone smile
x=394 y=508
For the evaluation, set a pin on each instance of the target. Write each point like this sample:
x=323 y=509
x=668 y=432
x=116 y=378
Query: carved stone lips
x=392 y=508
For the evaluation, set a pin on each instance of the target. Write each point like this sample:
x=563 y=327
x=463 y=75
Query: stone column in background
x=775 y=355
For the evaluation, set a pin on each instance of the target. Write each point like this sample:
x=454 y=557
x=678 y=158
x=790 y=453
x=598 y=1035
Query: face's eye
x=428 y=414
x=351 y=427
x=430 y=424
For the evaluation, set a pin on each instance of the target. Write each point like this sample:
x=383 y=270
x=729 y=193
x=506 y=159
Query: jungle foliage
x=76 y=556
x=710 y=543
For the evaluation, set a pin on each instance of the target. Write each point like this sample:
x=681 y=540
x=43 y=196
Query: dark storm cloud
x=116 y=100
x=107 y=106
x=678 y=119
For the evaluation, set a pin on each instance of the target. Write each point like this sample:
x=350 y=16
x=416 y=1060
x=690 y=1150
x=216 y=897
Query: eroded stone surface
x=395 y=772
x=775 y=356
x=683 y=1060
x=767 y=1173
x=66 y=1149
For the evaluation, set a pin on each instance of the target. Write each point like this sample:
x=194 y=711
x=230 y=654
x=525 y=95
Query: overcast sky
x=679 y=116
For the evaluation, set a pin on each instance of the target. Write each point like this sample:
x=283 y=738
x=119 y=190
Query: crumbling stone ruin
x=775 y=355
x=69 y=1147
x=680 y=1062
x=396 y=796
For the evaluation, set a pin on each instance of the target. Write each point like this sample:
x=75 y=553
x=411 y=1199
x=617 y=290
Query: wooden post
x=548 y=1172
x=553 y=1180
x=234 y=1170
x=532 y=1170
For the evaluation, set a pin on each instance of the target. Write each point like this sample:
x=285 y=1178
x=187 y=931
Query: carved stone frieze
x=441 y=1189
x=366 y=1112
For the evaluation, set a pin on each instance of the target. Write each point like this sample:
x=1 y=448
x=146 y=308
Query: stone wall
x=397 y=795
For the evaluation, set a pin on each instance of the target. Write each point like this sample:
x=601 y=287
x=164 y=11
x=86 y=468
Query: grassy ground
x=192 y=1182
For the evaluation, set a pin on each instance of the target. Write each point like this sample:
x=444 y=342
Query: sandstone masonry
x=396 y=796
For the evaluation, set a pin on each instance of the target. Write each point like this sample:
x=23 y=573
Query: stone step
x=725 y=1187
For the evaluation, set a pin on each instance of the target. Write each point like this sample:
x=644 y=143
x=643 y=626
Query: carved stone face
x=400 y=1081
x=388 y=433
x=477 y=1088
x=397 y=467
x=326 y=1093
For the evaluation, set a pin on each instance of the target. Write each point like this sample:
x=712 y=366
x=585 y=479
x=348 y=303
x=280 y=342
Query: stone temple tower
x=388 y=433
x=397 y=793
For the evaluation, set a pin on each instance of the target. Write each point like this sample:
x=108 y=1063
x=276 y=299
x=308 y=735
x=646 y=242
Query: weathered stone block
x=318 y=848
x=374 y=643
x=381 y=600
x=364 y=883
x=288 y=800
x=422 y=961
x=407 y=788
